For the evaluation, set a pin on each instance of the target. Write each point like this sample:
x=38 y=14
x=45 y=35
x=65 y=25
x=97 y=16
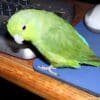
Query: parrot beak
x=18 y=39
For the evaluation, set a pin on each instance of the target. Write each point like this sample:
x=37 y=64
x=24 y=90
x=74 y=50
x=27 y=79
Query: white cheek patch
x=18 y=39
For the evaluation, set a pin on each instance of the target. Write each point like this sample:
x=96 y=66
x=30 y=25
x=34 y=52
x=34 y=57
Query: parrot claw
x=49 y=69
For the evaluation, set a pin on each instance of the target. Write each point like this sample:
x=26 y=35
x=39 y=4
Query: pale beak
x=18 y=39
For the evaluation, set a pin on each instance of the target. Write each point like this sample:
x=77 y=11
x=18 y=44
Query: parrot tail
x=93 y=60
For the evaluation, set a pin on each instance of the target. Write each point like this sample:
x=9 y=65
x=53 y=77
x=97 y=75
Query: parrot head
x=21 y=26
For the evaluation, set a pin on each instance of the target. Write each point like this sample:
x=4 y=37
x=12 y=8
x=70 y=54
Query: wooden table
x=21 y=73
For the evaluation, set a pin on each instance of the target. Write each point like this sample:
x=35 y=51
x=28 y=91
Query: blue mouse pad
x=86 y=77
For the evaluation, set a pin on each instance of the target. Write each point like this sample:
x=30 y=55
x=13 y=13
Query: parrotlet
x=56 y=39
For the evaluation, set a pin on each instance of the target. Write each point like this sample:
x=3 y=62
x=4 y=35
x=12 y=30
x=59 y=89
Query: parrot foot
x=49 y=69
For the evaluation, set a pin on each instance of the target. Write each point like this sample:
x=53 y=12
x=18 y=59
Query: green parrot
x=55 y=38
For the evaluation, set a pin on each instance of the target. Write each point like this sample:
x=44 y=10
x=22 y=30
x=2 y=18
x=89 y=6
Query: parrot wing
x=63 y=45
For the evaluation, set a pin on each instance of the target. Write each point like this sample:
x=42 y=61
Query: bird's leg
x=49 y=69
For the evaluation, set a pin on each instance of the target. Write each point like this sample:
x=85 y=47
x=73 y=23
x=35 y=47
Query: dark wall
x=91 y=1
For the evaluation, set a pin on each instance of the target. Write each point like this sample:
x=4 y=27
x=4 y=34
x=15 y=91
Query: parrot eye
x=24 y=27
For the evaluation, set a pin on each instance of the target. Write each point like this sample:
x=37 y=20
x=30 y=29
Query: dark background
x=91 y=1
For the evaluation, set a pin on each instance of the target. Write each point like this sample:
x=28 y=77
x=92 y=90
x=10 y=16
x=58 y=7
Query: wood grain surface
x=20 y=72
